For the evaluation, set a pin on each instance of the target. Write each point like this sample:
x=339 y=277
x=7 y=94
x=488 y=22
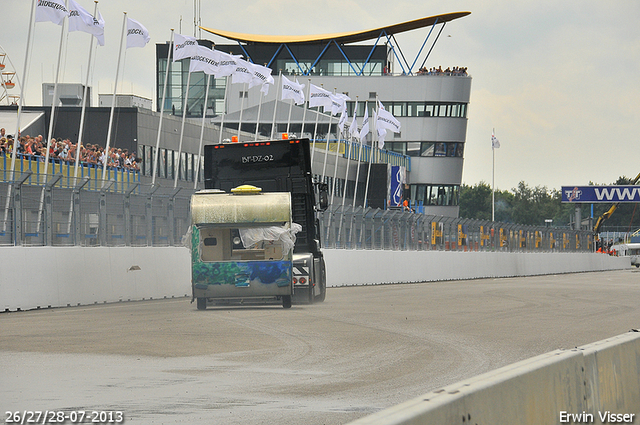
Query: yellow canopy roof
x=341 y=38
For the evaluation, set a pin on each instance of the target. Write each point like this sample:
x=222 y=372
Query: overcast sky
x=558 y=80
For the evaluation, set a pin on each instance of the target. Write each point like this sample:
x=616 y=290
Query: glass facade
x=427 y=149
x=436 y=194
x=176 y=84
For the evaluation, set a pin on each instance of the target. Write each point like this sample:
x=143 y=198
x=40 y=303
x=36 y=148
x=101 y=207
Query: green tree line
x=533 y=205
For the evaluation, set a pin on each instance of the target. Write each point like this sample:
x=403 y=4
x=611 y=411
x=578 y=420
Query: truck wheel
x=323 y=283
x=286 y=301
x=201 y=303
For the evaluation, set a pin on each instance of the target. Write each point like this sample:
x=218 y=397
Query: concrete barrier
x=351 y=267
x=598 y=383
x=613 y=375
x=33 y=277
x=40 y=277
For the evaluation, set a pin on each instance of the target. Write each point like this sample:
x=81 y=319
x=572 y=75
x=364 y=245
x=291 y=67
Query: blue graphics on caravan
x=600 y=194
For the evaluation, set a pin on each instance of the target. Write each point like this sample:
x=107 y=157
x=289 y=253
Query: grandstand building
x=367 y=65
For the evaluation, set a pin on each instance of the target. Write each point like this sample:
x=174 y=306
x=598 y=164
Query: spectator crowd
x=458 y=71
x=64 y=151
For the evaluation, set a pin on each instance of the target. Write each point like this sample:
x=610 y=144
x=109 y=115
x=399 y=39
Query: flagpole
x=493 y=181
x=80 y=132
x=244 y=90
x=84 y=104
x=366 y=188
x=335 y=168
x=113 y=101
x=259 y=111
x=224 y=106
x=16 y=135
x=185 y=106
x=49 y=133
x=346 y=183
x=304 y=112
x=54 y=101
x=355 y=190
x=275 y=105
x=289 y=118
x=156 y=154
x=326 y=151
x=315 y=131
x=204 y=114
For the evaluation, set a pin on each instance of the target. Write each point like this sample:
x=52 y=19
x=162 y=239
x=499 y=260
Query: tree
x=533 y=205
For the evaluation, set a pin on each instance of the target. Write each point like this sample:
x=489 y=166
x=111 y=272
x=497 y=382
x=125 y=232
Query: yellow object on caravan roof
x=246 y=188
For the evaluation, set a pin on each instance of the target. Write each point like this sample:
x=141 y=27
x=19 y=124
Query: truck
x=258 y=196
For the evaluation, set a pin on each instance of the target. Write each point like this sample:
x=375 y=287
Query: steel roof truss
x=425 y=42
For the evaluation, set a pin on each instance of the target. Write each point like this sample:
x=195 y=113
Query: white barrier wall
x=32 y=277
x=351 y=267
x=597 y=384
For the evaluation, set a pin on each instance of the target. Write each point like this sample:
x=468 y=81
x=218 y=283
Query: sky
x=556 y=80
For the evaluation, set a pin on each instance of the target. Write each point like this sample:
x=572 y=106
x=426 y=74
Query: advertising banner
x=600 y=194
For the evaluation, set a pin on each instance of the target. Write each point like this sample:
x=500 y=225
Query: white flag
x=495 y=143
x=262 y=76
x=291 y=90
x=243 y=72
x=51 y=11
x=319 y=97
x=338 y=102
x=228 y=64
x=353 y=128
x=81 y=20
x=386 y=120
x=137 y=34
x=184 y=46
x=382 y=134
x=365 y=125
x=205 y=60
x=343 y=118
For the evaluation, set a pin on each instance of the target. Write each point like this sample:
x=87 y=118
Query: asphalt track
x=365 y=348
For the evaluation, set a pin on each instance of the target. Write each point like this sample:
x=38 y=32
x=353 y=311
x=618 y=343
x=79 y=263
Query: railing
x=351 y=150
x=51 y=215
x=141 y=215
x=343 y=227
x=122 y=177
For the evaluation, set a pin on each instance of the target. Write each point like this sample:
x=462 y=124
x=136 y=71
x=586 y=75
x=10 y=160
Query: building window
x=427 y=149
x=443 y=195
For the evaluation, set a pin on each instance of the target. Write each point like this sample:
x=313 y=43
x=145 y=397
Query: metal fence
x=348 y=228
x=123 y=214
x=130 y=214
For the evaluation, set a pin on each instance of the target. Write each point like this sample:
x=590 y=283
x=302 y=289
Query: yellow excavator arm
x=607 y=214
